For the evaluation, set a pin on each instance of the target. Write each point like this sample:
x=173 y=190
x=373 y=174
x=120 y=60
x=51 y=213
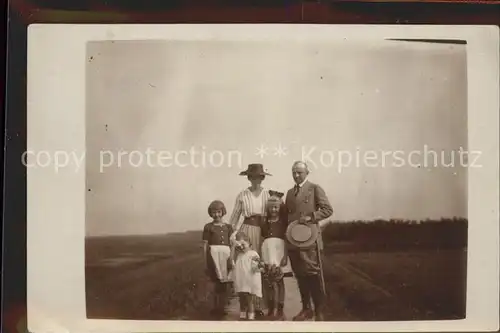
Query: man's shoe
x=305 y=314
x=319 y=316
x=217 y=314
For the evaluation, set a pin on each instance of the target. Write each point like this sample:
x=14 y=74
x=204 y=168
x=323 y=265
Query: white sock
x=243 y=315
x=251 y=316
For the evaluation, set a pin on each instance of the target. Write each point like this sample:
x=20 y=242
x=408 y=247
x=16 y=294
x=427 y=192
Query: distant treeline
x=390 y=234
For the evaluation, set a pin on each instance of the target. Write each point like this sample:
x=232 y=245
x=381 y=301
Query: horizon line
x=403 y=220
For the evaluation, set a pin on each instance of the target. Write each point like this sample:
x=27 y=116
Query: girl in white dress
x=247 y=275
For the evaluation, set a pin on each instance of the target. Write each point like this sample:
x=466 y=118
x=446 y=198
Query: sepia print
x=180 y=131
x=262 y=177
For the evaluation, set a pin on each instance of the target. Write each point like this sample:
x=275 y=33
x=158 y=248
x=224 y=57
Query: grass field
x=162 y=277
x=418 y=285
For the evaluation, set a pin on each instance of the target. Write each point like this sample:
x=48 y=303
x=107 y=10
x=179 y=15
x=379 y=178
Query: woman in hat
x=217 y=250
x=251 y=204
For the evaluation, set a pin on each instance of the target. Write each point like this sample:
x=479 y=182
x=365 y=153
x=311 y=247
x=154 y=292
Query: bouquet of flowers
x=273 y=274
x=258 y=265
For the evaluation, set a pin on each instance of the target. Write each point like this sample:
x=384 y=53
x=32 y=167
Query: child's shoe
x=271 y=312
x=259 y=314
x=280 y=315
x=251 y=316
x=243 y=315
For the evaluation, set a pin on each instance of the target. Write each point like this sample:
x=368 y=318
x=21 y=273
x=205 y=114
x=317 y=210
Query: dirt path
x=292 y=301
x=293 y=305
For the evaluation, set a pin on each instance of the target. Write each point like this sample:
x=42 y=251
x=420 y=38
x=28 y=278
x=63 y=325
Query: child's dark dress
x=219 y=250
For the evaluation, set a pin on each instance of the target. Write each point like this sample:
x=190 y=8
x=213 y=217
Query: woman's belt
x=254 y=220
x=277 y=235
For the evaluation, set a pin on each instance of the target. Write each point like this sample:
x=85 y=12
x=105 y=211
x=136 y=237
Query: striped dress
x=246 y=205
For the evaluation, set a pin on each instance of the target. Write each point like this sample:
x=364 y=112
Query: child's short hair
x=216 y=205
x=243 y=236
x=273 y=201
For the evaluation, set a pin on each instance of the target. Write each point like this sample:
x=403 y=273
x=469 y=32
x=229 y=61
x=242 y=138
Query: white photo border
x=56 y=200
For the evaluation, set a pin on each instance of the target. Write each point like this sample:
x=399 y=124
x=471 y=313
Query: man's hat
x=301 y=235
x=255 y=169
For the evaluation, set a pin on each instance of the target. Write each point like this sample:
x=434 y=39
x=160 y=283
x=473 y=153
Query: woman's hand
x=284 y=261
x=230 y=264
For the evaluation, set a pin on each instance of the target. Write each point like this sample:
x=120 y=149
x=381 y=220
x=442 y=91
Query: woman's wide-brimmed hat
x=301 y=235
x=254 y=170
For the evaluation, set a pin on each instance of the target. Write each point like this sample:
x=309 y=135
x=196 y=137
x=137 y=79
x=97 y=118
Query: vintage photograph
x=276 y=180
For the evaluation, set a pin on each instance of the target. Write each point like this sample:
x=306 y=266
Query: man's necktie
x=296 y=190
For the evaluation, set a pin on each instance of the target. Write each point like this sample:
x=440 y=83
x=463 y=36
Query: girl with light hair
x=274 y=255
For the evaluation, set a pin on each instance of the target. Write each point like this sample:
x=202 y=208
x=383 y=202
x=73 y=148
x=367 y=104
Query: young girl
x=274 y=256
x=217 y=251
x=247 y=275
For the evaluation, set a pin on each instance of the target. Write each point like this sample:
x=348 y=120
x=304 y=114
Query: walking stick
x=320 y=261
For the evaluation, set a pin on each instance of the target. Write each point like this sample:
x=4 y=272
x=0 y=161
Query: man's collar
x=302 y=184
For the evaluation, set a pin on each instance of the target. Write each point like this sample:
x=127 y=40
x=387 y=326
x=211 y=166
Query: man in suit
x=308 y=203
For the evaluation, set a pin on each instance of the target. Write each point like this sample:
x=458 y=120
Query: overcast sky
x=229 y=98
